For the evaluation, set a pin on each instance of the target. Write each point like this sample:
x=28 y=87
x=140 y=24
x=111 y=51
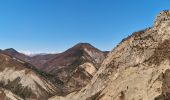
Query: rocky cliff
x=137 y=69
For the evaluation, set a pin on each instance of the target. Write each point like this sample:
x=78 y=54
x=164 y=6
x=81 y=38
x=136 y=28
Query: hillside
x=137 y=69
x=76 y=66
x=21 y=79
x=70 y=70
x=38 y=60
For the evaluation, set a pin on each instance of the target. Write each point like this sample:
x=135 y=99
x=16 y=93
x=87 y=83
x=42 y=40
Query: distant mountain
x=24 y=80
x=12 y=52
x=82 y=50
x=37 y=60
x=70 y=70
x=76 y=66
x=40 y=59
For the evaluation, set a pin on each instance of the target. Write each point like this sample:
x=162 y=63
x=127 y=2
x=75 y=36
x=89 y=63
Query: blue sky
x=56 y=25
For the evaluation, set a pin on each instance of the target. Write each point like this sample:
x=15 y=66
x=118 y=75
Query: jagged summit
x=163 y=16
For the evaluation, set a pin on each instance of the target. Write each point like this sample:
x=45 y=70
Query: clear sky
x=56 y=25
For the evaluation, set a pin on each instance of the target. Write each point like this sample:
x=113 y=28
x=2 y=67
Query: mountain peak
x=11 y=50
x=162 y=17
x=83 y=46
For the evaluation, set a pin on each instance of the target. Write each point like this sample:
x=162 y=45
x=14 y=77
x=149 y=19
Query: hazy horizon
x=54 y=26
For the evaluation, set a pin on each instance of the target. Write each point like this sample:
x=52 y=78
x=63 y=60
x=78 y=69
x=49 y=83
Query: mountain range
x=49 y=74
x=138 y=68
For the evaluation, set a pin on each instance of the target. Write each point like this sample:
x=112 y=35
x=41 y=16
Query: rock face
x=137 y=69
x=76 y=66
x=20 y=78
